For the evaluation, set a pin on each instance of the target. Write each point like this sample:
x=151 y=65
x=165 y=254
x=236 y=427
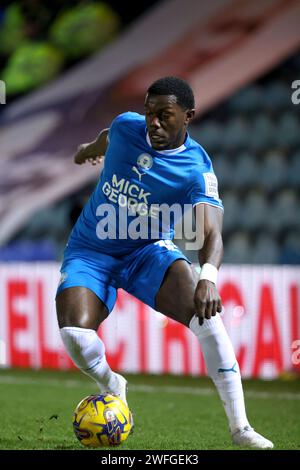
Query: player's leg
x=161 y=277
x=80 y=312
x=175 y=298
x=81 y=308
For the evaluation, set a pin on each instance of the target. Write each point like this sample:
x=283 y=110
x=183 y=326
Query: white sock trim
x=208 y=328
x=77 y=329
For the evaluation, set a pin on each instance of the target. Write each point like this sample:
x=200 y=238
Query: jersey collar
x=170 y=151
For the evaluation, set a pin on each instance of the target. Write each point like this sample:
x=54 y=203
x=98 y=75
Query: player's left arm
x=207 y=300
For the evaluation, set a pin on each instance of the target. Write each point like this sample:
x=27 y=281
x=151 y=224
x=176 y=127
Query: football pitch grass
x=170 y=412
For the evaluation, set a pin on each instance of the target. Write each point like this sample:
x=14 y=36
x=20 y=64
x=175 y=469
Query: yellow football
x=101 y=421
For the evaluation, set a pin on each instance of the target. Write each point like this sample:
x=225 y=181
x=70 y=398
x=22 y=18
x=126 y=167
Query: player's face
x=166 y=121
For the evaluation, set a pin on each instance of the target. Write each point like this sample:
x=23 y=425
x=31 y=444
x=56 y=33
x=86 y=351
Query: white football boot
x=247 y=437
x=120 y=391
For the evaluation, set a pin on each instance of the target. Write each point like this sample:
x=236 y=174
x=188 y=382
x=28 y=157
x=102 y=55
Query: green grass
x=170 y=412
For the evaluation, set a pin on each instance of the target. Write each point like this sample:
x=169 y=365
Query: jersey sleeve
x=123 y=123
x=204 y=187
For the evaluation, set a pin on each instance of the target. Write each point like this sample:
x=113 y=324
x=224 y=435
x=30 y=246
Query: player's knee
x=80 y=308
x=68 y=316
x=185 y=314
x=70 y=321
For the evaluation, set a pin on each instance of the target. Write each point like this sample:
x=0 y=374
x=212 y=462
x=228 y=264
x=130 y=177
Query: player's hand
x=207 y=300
x=87 y=152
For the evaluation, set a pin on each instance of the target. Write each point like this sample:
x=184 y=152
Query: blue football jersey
x=137 y=181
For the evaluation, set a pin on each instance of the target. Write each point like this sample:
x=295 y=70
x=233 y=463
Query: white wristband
x=209 y=272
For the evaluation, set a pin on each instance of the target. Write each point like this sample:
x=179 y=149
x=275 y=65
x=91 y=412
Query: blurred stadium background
x=68 y=68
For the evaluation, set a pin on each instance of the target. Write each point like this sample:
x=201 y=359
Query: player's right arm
x=93 y=151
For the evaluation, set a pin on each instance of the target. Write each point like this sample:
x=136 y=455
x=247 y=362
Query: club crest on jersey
x=144 y=161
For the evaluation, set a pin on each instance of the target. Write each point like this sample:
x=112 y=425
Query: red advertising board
x=260 y=310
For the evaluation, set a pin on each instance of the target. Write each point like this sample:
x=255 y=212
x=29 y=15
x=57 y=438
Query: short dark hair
x=174 y=86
